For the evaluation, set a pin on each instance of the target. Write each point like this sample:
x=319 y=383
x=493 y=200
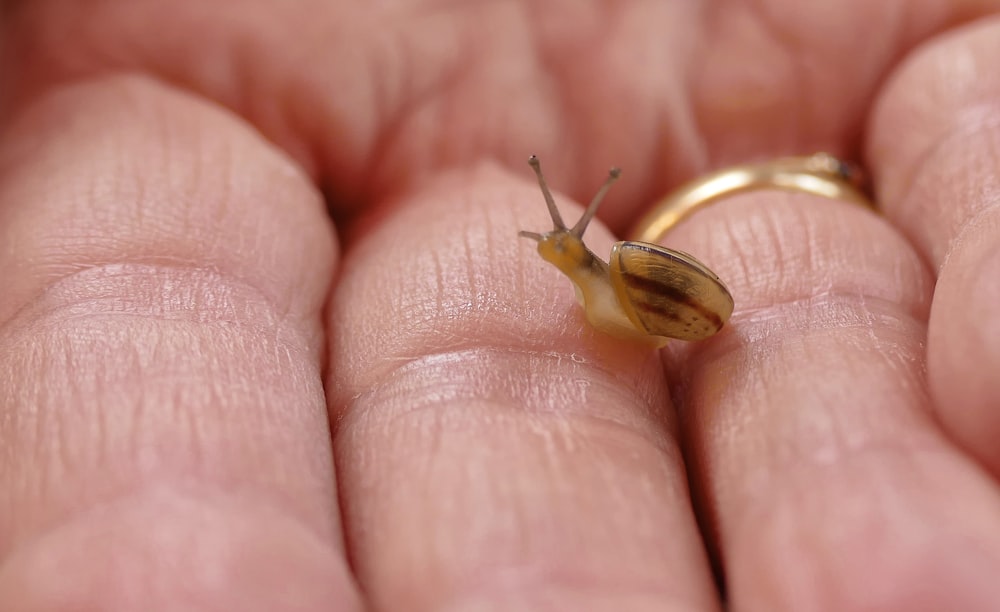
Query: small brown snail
x=645 y=292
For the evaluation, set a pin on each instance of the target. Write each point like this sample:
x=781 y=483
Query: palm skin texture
x=269 y=339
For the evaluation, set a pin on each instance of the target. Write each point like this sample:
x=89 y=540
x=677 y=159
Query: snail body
x=644 y=292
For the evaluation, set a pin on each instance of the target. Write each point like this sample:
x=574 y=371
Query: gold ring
x=820 y=174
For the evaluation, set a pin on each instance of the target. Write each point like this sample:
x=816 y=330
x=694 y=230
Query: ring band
x=819 y=174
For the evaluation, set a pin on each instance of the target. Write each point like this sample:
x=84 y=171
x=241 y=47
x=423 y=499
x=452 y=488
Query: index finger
x=162 y=423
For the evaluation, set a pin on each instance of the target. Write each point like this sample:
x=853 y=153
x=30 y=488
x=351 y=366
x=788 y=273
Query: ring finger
x=825 y=482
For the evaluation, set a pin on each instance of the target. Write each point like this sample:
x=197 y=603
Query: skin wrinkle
x=469 y=298
x=167 y=292
x=126 y=36
x=590 y=141
x=868 y=309
x=983 y=210
x=962 y=119
x=641 y=395
x=68 y=270
x=390 y=110
x=417 y=101
x=681 y=113
x=797 y=453
x=546 y=79
x=732 y=237
x=938 y=190
x=787 y=262
x=819 y=312
x=731 y=101
x=131 y=507
x=519 y=399
x=984 y=217
x=969 y=125
x=847 y=519
x=451 y=418
x=714 y=352
x=472 y=288
x=562 y=76
x=70 y=463
x=968 y=7
x=670 y=104
x=452 y=344
x=811 y=108
x=798 y=69
x=224 y=399
x=504 y=589
x=770 y=227
x=751 y=484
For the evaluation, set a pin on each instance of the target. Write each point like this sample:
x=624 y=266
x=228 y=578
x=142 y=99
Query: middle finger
x=494 y=453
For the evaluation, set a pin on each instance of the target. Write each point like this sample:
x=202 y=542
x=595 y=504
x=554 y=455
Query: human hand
x=177 y=318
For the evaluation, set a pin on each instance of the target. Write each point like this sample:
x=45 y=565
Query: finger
x=936 y=148
x=826 y=483
x=164 y=434
x=376 y=96
x=494 y=452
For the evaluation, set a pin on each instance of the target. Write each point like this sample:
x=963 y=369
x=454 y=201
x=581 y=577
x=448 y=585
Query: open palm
x=214 y=397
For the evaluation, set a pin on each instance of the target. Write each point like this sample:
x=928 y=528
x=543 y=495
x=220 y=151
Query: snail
x=645 y=292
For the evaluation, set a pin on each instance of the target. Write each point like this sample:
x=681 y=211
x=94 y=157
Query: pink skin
x=179 y=327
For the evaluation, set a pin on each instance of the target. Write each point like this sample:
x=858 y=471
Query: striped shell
x=668 y=293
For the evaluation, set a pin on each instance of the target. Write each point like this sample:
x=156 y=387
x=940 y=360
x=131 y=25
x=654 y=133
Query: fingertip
x=935 y=139
x=963 y=351
x=939 y=101
x=165 y=268
x=453 y=339
x=445 y=268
